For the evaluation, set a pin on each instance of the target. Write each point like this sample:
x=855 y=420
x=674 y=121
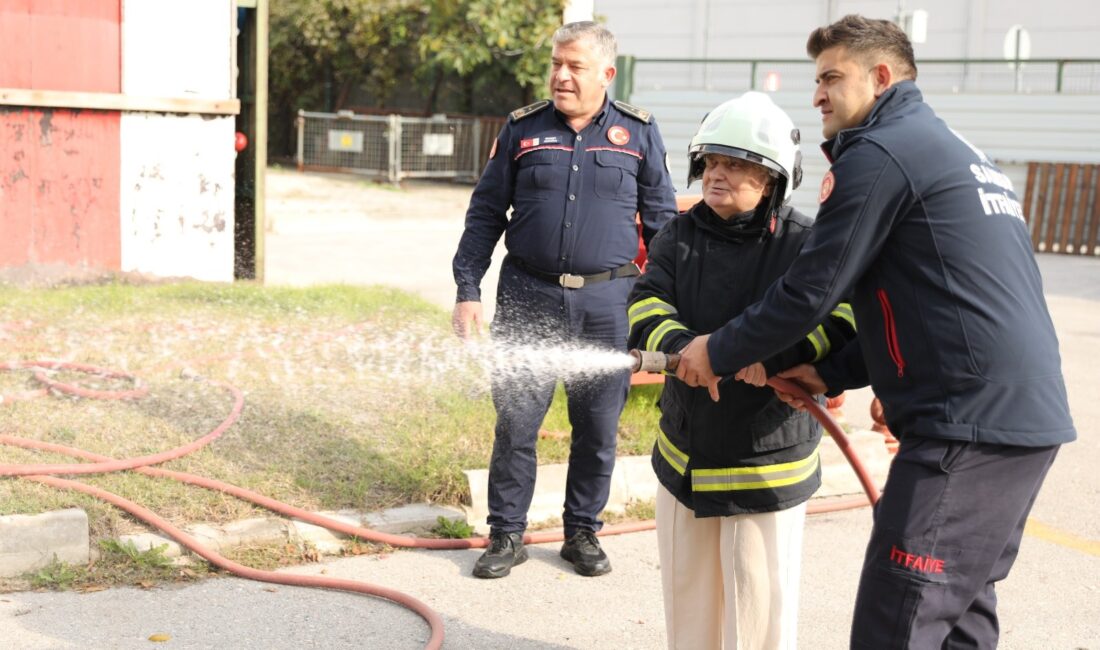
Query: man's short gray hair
x=603 y=41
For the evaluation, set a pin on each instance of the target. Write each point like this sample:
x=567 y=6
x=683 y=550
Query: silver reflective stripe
x=649 y=307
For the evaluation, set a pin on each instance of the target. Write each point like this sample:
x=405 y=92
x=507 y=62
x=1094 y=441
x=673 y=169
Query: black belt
x=571 y=281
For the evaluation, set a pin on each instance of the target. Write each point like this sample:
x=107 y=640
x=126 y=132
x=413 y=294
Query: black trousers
x=533 y=311
x=947 y=529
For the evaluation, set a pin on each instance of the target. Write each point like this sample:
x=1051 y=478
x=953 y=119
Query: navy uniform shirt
x=573 y=195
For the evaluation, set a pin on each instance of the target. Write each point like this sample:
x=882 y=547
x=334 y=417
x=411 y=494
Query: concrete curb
x=30 y=542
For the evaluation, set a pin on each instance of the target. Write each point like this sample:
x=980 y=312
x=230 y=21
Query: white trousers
x=729 y=582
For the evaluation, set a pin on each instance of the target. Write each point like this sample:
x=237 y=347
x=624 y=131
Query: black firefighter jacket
x=748 y=452
x=926 y=236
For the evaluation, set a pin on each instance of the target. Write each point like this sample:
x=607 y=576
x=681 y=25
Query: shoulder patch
x=639 y=114
x=530 y=109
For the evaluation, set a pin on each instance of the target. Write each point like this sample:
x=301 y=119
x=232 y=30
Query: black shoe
x=583 y=550
x=505 y=551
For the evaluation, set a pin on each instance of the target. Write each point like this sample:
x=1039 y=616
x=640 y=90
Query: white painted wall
x=178 y=49
x=176 y=203
x=176 y=200
x=778 y=28
x=1011 y=129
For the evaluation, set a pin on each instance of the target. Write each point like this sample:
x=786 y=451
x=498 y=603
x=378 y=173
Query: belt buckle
x=570 y=281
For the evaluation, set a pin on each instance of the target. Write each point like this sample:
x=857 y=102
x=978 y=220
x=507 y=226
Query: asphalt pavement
x=1051 y=600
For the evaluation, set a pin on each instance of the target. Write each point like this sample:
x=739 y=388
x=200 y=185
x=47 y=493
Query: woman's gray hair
x=603 y=41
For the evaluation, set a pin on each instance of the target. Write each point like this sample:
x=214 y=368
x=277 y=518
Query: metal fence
x=394 y=147
x=1069 y=76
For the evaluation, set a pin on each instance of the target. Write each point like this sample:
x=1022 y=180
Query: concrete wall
x=177 y=205
x=177 y=170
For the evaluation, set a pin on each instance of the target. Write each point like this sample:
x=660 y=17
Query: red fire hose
x=102 y=464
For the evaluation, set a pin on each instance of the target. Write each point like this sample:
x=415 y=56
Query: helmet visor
x=699 y=151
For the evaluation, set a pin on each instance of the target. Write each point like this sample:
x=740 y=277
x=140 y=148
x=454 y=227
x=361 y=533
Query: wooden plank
x=1041 y=220
x=1081 y=208
x=1052 y=212
x=1029 y=196
x=117 y=102
x=1064 y=245
x=1091 y=250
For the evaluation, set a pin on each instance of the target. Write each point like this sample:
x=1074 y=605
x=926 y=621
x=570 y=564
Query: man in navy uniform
x=575 y=172
x=927 y=236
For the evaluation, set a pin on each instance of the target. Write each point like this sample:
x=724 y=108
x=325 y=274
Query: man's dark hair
x=867 y=38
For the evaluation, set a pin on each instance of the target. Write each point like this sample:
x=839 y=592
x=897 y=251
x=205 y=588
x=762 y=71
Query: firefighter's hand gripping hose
x=42 y=473
x=660 y=362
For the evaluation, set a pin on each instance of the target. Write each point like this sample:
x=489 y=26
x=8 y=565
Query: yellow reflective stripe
x=844 y=310
x=674 y=456
x=754 y=478
x=657 y=334
x=820 y=342
x=646 y=308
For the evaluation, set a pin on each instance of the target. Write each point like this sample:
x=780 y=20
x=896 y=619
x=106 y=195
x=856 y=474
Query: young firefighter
x=927 y=236
x=736 y=469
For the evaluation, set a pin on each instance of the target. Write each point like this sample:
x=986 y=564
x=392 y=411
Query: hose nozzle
x=645 y=361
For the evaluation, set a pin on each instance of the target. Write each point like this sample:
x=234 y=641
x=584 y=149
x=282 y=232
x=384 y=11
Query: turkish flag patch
x=827 y=185
x=618 y=135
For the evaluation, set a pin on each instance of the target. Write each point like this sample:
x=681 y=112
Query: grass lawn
x=355 y=398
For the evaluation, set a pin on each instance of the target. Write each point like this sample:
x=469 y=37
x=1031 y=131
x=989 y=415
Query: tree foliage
x=470 y=35
x=323 y=50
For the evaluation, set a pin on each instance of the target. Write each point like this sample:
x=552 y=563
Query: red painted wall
x=59 y=169
x=59 y=188
x=61 y=45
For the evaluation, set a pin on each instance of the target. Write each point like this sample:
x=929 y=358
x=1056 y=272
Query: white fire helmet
x=751 y=127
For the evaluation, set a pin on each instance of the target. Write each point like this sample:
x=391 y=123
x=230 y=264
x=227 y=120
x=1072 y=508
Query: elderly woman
x=737 y=467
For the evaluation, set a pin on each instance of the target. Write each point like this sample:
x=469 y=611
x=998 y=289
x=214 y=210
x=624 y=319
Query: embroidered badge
x=618 y=135
x=493 y=151
x=827 y=184
x=551 y=139
x=527 y=143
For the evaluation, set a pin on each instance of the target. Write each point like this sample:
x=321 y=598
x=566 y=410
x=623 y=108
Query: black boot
x=505 y=551
x=583 y=550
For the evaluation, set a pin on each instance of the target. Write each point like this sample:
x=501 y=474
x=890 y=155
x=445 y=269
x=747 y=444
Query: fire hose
x=660 y=362
x=43 y=473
